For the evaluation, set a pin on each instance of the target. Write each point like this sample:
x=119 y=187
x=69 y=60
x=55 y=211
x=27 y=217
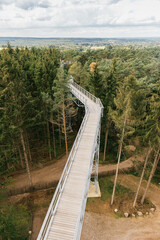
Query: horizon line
x=83 y=37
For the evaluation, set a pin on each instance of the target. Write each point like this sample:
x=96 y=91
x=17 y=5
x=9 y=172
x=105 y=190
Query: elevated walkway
x=64 y=218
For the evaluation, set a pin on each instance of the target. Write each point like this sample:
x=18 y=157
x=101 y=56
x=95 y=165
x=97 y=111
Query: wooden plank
x=64 y=223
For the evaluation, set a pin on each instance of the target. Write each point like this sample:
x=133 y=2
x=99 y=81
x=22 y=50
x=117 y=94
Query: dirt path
x=102 y=227
x=96 y=226
x=41 y=176
x=51 y=174
x=109 y=169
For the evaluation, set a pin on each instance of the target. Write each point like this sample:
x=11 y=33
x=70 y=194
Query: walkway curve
x=65 y=215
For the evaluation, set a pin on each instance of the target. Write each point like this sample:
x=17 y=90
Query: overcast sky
x=80 y=18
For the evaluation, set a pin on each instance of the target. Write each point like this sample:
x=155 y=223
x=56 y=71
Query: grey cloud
x=47 y=18
x=26 y=4
x=7 y=2
x=44 y=4
x=31 y=4
x=114 y=1
x=108 y=25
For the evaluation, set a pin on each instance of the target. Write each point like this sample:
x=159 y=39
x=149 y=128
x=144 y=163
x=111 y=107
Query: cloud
x=31 y=4
x=26 y=4
x=79 y=16
x=114 y=1
x=6 y=2
x=46 y=18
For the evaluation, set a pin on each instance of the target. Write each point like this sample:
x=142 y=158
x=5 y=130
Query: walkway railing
x=89 y=95
x=57 y=195
x=81 y=214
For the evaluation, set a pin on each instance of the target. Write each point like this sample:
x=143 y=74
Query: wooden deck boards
x=64 y=224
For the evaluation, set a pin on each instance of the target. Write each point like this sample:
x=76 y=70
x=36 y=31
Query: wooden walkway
x=67 y=221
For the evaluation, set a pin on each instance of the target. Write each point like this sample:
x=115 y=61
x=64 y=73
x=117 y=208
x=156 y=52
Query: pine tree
x=121 y=117
x=110 y=88
x=61 y=90
x=142 y=175
x=153 y=134
x=96 y=82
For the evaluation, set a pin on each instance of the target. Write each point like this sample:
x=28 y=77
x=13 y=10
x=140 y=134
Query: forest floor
x=42 y=177
x=48 y=176
x=39 y=201
x=106 y=227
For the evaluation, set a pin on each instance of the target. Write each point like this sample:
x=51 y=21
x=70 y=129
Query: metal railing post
x=75 y=89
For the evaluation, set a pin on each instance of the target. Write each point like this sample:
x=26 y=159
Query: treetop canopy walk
x=65 y=215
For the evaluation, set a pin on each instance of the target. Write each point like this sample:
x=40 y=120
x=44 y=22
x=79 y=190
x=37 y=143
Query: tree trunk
x=28 y=147
x=45 y=135
x=143 y=171
x=155 y=163
x=21 y=158
x=59 y=126
x=64 y=123
x=54 y=142
x=25 y=156
x=6 y=157
x=15 y=149
x=49 y=142
x=37 y=133
x=106 y=140
x=119 y=157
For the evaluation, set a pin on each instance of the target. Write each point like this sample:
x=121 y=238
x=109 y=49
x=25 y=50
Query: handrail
x=55 y=200
x=57 y=195
x=85 y=193
x=83 y=204
x=88 y=94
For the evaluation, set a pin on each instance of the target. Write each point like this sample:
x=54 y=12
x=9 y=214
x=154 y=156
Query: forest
x=39 y=118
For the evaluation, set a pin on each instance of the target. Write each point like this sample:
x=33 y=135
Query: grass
x=123 y=200
x=106 y=186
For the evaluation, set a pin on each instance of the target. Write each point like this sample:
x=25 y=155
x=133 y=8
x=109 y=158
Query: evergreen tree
x=96 y=82
x=110 y=88
x=61 y=90
x=153 y=134
x=121 y=117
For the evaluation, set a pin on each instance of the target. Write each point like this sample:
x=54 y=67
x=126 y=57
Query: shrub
x=14 y=223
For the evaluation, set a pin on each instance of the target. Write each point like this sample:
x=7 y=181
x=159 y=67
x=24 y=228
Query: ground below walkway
x=95 y=227
x=48 y=176
x=104 y=227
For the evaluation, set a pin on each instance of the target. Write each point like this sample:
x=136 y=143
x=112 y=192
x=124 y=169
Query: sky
x=80 y=18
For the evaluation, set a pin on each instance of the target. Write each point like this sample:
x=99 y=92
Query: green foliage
x=26 y=77
x=76 y=71
x=125 y=77
x=152 y=122
x=60 y=88
x=31 y=90
x=106 y=186
x=14 y=223
x=96 y=82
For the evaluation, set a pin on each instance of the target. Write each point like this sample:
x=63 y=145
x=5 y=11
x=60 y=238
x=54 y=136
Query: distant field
x=92 y=43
